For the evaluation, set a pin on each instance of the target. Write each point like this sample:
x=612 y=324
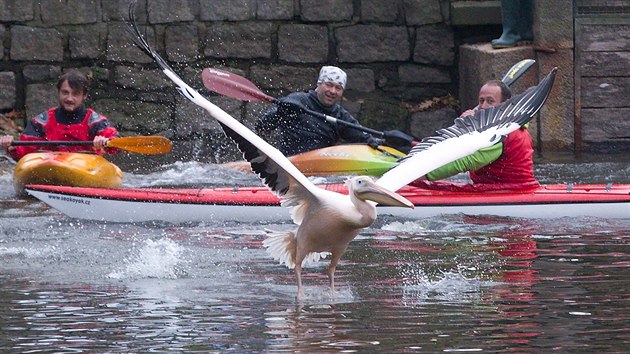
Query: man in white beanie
x=299 y=131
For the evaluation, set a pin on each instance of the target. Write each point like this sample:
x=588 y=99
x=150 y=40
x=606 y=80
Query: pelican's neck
x=366 y=208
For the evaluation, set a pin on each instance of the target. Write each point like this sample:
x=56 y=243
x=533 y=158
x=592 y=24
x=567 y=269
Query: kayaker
x=509 y=162
x=71 y=120
x=299 y=131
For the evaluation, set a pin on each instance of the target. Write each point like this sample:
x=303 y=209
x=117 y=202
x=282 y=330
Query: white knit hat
x=332 y=74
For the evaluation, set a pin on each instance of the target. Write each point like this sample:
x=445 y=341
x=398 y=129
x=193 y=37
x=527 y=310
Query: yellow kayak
x=66 y=169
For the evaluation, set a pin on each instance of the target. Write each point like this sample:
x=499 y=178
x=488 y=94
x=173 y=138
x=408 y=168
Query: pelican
x=328 y=221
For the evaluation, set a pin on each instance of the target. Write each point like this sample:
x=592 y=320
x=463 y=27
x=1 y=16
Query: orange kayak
x=66 y=169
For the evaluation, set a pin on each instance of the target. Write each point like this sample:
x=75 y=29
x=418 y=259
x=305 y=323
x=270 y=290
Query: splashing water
x=28 y=253
x=160 y=259
x=453 y=286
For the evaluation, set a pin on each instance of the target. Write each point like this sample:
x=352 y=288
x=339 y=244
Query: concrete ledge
x=471 y=13
x=479 y=63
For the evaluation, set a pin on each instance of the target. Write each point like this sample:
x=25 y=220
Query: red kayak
x=258 y=203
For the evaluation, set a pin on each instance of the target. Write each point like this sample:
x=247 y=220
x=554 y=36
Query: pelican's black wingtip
x=139 y=39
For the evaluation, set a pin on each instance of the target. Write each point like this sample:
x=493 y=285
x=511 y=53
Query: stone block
x=114 y=10
x=605 y=64
x=434 y=45
x=426 y=123
x=191 y=119
x=16 y=11
x=34 y=43
x=475 y=13
x=166 y=11
x=40 y=97
x=352 y=105
x=383 y=113
x=380 y=10
x=605 y=37
x=557 y=116
x=553 y=31
x=410 y=73
x=602 y=92
x=303 y=43
x=422 y=12
x=245 y=41
x=181 y=43
x=239 y=10
x=2 y=32
x=39 y=73
x=284 y=78
x=371 y=43
x=330 y=11
x=598 y=127
x=68 y=12
x=274 y=9
x=253 y=110
x=121 y=48
x=86 y=42
x=135 y=116
x=129 y=77
x=361 y=80
x=7 y=90
x=479 y=63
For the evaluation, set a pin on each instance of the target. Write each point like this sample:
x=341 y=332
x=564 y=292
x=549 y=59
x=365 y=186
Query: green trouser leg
x=526 y=19
x=517 y=23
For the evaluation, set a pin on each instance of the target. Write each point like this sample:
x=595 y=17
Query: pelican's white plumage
x=328 y=221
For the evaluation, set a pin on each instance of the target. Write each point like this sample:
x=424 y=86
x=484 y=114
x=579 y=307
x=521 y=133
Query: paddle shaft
x=150 y=145
x=334 y=120
x=51 y=143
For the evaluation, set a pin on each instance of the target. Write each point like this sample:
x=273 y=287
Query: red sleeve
x=20 y=151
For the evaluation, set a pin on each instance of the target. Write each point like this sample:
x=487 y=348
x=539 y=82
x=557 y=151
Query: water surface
x=446 y=284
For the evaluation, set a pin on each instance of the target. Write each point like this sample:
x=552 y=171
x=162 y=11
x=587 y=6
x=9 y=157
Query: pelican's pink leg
x=298 y=276
x=334 y=260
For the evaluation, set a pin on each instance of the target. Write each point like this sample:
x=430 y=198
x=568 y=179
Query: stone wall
x=395 y=52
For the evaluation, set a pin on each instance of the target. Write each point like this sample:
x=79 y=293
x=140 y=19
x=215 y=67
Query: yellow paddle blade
x=149 y=145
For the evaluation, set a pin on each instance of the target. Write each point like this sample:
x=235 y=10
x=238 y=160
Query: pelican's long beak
x=372 y=191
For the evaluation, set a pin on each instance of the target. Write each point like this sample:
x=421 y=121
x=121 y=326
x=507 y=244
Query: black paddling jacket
x=300 y=132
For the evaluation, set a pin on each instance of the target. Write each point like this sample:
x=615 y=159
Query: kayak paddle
x=237 y=87
x=148 y=145
x=517 y=70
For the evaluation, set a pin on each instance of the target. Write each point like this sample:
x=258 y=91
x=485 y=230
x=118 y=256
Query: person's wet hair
x=506 y=93
x=75 y=79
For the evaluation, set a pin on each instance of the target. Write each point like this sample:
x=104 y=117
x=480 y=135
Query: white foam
x=407 y=226
x=27 y=252
x=162 y=259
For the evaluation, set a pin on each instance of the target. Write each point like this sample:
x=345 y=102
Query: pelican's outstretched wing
x=278 y=173
x=469 y=134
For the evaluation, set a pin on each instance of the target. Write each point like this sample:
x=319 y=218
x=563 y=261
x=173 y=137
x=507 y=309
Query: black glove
x=375 y=143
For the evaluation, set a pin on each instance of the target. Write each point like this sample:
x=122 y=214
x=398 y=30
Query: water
x=446 y=284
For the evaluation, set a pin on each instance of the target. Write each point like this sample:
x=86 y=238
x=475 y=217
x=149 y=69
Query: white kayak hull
x=257 y=204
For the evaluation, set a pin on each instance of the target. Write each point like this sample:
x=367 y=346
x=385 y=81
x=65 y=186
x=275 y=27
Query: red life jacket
x=66 y=132
x=69 y=132
x=516 y=164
